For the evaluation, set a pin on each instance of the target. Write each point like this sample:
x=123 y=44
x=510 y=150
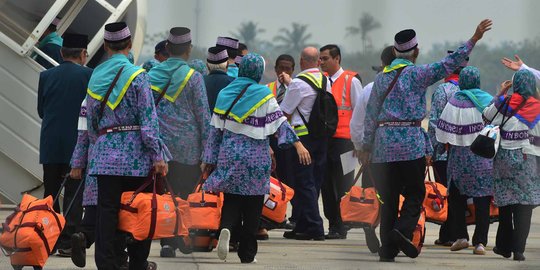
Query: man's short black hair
x=242 y=47
x=71 y=52
x=333 y=50
x=285 y=57
x=118 y=46
x=177 y=49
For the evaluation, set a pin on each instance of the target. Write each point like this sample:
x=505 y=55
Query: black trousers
x=336 y=184
x=441 y=177
x=457 y=206
x=514 y=227
x=248 y=209
x=183 y=179
x=395 y=178
x=53 y=175
x=88 y=224
x=110 y=242
x=283 y=172
x=307 y=184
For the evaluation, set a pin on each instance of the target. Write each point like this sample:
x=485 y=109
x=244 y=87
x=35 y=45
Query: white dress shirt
x=359 y=115
x=356 y=86
x=300 y=95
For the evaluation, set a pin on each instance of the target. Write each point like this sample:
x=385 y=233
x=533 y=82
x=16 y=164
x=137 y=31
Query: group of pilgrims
x=216 y=121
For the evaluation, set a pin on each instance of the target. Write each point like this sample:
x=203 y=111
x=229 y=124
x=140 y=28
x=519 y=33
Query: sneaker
x=78 y=249
x=479 y=250
x=223 y=244
x=167 y=252
x=460 y=244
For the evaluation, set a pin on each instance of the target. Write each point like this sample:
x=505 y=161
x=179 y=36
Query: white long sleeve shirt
x=359 y=114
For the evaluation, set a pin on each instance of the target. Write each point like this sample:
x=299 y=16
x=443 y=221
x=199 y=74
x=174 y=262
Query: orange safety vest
x=341 y=90
x=273 y=87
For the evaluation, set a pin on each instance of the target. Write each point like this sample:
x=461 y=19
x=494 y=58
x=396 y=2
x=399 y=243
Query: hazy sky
x=434 y=20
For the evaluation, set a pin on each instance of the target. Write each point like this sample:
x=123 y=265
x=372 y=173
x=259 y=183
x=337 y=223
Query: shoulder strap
x=514 y=112
x=235 y=101
x=393 y=83
x=109 y=91
x=315 y=87
x=163 y=92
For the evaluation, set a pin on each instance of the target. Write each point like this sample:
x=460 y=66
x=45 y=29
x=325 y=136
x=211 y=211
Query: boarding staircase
x=21 y=25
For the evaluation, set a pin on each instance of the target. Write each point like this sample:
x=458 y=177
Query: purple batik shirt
x=185 y=123
x=406 y=102
x=130 y=153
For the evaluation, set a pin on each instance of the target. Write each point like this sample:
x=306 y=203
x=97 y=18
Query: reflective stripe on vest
x=273 y=87
x=316 y=81
x=341 y=89
x=301 y=130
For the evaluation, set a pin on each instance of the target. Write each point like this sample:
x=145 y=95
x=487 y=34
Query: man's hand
x=429 y=161
x=504 y=87
x=483 y=27
x=284 y=78
x=513 y=65
x=161 y=167
x=303 y=153
x=76 y=173
x=364 y=157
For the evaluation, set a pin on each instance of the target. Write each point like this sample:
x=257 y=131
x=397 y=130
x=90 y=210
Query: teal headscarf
x=250 y=73
x=524 y=83
x=199 y=65
x=469 y=84
x=53 y=38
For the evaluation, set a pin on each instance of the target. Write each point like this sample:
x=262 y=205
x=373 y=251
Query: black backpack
x=323 y=119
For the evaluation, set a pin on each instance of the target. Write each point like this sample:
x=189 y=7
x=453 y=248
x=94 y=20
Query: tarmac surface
x=351 y=253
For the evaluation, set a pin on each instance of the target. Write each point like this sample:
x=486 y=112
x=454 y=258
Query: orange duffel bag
x=274 y=210
x=30 y=233
x=360 y=207
x=470 y=213
x=153 y=216
x=419 y=233
x=435 y=201
x=205 y=210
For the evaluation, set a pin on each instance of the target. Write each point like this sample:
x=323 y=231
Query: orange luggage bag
x=153 y=216
x=435 y=201
x=30 y=233
x=205 y=211
x=470 y=216
x=360 y=207
x=274 y=210
x=419 y=233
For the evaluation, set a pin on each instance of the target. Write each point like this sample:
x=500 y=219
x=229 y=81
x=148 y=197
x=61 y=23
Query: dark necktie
x=280 y=93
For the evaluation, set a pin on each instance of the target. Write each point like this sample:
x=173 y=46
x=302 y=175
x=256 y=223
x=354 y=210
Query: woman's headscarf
x=469 y=78
x=199 y=65
x=469 y=84
x=524 y=83
x=252 y=66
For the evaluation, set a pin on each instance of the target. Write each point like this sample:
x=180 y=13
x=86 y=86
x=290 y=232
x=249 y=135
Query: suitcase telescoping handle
x=62 y=185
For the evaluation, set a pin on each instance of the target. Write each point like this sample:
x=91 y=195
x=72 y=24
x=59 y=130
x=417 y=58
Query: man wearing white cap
x=184 y=117
x=217 y=79
x=231 y=45
x=50 y=43
x=394 y=140
x=124 y=130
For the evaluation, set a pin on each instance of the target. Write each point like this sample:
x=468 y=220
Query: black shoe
x=167 y=252
x=502 y=253
x=289 y=234
x=404 y=243
x=289 y=225
x=305 y=236
x=372 y=241
x=335 y=235
x=518 y=256
x=442 y=243
x=383 y=259
x=78 y=249
x=64 y=252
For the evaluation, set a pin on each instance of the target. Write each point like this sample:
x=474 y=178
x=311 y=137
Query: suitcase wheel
x=17 y=267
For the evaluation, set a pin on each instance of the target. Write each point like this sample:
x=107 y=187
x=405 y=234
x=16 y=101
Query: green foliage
x=247 y=33
x=293 y=40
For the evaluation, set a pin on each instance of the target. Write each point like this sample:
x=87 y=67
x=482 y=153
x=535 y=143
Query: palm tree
x=366 y=24
x=247 y=33
x=295 y=39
